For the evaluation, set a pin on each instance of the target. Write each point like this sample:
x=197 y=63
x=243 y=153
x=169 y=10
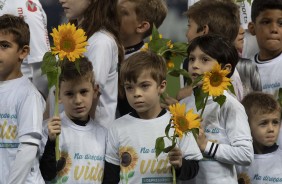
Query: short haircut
x=216 y=47
x=259 y=6
x=222 y=17
x=69 y=71
x=153 y=11
x=10 y=24
x=259 y=102
x=142 y=61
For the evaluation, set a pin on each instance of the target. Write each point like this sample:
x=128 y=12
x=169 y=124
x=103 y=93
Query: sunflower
x=215 y=81
x=182 y=121
x=69 y=42
x=67 y=166
x=243 y=178
x=128 y=157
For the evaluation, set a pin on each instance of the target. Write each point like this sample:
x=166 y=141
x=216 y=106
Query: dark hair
x=102 y=14
x=10 y=24
x=69 y=71
x=216 y=47
x=142 y=61
x=259 y=6
x=259 y=102
x=222 y=17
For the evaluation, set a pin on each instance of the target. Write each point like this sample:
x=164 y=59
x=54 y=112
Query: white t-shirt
x=134 y=139
x=270 y=74
x=102 y=51
x=35 y=17
x=21 y=113
x=84 y=148
x=228 y=132
x=265 y=169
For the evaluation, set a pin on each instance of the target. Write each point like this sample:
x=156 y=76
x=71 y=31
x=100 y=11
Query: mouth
x=79 y=109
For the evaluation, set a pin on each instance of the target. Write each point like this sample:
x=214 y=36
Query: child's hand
x=201 y=139
x=175 y=157
x=167 y=101
x=54 y=127
x=184 y=92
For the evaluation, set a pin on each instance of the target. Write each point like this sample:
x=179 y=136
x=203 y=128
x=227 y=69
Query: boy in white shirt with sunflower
x=130 y=154
x=224 y=139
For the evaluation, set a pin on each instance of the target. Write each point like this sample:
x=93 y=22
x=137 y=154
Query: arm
x=111 y=173
x=23 y=163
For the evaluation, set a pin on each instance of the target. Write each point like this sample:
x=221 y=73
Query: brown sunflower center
x=181 y=122
x=67 y=44
x=215 y=79
x=125 y=159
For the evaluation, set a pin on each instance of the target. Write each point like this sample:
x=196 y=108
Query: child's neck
x=134 y=48
x=135 y=114
x=265 y=149
x=81 y=122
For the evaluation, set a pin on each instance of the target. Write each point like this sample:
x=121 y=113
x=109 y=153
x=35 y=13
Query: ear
x=205 y=29
x=228 y=67
x=162 y=87
x=251 y=28
x=143 y=27
x=96 y=89
x=24 y=52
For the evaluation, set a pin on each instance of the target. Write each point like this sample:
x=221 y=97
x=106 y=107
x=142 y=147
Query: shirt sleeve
x=112 y=148
x=21 y=167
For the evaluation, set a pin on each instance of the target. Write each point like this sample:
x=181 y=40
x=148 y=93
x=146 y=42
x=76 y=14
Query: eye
x=275 y=122
x=145 y=86
x=128 y=88
x=4 y=46
x=205 y=59
x=191 y=58
x=264 y=22
x=280 y=22
x=84 y=91
x=69 y=94
x=263 y=123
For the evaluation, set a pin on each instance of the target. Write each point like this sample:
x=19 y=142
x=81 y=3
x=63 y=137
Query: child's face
x=10 y=57
x=239 y=41
x=144 y=95
x=199 y=63
x=192 y=30
x=268 y=31
x=265 y=128
x=129 y=22
x=77 y=98
x=74 y=9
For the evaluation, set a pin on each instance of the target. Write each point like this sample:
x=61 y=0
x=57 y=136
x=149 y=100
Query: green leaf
x=159 y=145
x=178 y=72
x=167 y=149
x=249 y=1
x=180 y=48
x=130 y=174
x=195 y=132
x=220 y=100
x=197 y=80
x=52 y=77
x=231 y=89
x=54 y=180
x=76 y=63
x=167 y=128
x=121 y=176
x=65 y=179
x=155 y=32
x=199 y=97
x=49 y=63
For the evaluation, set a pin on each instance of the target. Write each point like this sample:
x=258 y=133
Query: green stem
x=205 y=103
x=174 y=175
x=56 y=113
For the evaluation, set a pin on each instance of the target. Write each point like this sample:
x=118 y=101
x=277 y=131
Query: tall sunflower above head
x=183 y=122
x=69 y=42
x=215 y=81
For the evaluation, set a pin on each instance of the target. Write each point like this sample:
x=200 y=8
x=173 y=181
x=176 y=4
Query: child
x=35 y=17
x=21 y=107
x=225 y=137
x=266 y=26
x=82 y=139
x=130 y=156
x=264 y=114
x=137 y=20
x=99 y=19
x=214 y=17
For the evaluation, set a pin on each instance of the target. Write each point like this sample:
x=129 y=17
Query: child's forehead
x=144 y=75
x=7 y=36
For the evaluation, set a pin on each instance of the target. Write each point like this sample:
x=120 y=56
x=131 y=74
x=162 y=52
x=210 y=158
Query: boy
x=225 y=139
x=130 y=155
x=264 y=115
x=214 y=17
x=21 y=107
x=82 y=139
x=137 y=20
x=266 y=26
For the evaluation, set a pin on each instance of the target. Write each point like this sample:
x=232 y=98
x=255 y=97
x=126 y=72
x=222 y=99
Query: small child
x=264 y=114
x=225 y=137
x=266 y=26
x=82 y=139
x=137 y=20
x=130 y=156
x=21 y=107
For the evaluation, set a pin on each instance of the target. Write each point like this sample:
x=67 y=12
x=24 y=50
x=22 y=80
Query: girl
x=99 y=20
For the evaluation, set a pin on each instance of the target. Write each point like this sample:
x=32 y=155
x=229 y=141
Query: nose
x=194 y=64
x=270 y=127
x=77 y=99
x=137 y=93
x=274 y=27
